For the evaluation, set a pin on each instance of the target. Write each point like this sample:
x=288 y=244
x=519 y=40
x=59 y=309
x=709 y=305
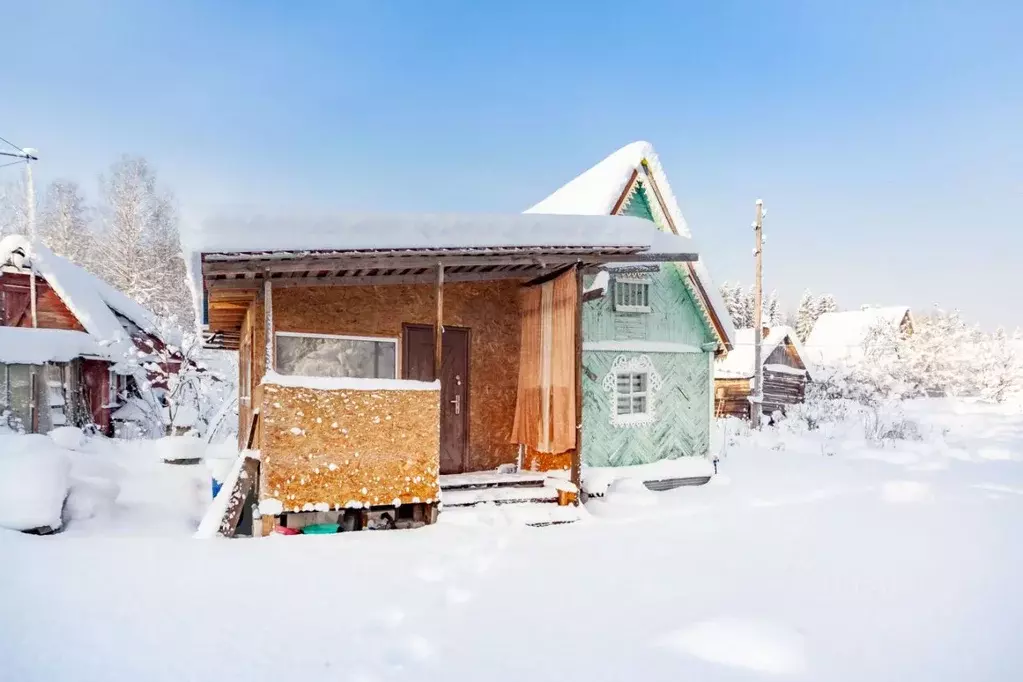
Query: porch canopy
x=232 y=258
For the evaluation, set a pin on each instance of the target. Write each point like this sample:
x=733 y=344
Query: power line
x=12 y=144
x=12 y=163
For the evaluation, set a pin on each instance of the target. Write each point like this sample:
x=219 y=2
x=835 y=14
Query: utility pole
x=30 y=196
x=757 y=399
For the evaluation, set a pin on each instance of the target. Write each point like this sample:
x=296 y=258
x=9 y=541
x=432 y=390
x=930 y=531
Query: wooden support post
x=438 y=330
x=756 y=401
x=268 y=323
x=577 y=454
x=33 y=369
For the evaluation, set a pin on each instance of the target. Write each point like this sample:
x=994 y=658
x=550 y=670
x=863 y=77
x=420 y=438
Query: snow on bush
x=68 y=437
x=33 y=482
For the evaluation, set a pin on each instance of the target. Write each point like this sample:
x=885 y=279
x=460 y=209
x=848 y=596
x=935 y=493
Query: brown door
x=417 y=363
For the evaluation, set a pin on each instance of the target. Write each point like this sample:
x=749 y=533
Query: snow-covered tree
x=140 y=250
x=63 y=222
x=14 y=208
x=1000 y=376
x=773 y=316
x=825 y=304
x=806 y=315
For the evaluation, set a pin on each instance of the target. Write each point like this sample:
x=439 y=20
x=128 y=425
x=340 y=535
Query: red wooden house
x=72 y=348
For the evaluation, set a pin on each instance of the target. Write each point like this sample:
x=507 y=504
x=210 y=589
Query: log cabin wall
x=731 y=398
x=782 y=387
x=51 y=312
x=490 y=310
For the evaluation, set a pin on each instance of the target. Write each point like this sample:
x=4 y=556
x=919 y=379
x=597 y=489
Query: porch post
x=268 y=323
x=438 y=329
x=577 y=454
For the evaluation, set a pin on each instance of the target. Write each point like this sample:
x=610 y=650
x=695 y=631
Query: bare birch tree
x=140 y=249
x=64 y=222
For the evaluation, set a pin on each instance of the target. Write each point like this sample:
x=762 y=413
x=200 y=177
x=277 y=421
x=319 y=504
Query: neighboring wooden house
x=651 y=330
x=838 y=338
x=785 y=373
x=70 y=345
x=383 y=358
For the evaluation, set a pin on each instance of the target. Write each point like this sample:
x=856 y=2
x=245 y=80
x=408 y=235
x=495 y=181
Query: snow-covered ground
x=811 y=556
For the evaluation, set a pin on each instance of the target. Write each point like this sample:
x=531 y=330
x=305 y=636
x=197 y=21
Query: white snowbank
x=33 y=482
x=349 y=383
x=743 y=643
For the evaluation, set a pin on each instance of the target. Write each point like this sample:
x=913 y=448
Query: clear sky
x=886 y=138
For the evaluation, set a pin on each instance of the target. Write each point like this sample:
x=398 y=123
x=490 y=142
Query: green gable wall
x=682 y=406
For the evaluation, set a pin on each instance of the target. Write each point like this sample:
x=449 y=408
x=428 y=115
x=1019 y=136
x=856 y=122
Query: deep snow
x=811 y=556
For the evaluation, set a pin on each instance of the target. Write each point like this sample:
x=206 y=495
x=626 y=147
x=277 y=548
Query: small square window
x=631 y=393
x=632 y=295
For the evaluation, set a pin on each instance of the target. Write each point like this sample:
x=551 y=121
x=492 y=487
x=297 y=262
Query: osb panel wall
x=324 y=450
x=489 y=309
x=546 y=461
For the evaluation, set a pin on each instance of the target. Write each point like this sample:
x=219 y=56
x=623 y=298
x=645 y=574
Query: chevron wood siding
x=682 y=408
x=673 y=315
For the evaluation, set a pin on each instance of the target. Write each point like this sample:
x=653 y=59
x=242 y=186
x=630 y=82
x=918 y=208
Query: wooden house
x=651 y=331
x=785 y=373
x=385 y=357
x=71 y=346
x=838 y=338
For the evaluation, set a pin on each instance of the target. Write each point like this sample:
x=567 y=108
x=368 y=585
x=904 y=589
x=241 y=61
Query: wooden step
x=482 y=480
x=470 y=497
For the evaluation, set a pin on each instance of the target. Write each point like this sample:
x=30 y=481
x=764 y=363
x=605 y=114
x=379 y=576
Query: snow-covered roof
x=597 y=191
x=92 y=301
x=839 y=337
x=400 y=231
x=738 y=363
x=28 y=346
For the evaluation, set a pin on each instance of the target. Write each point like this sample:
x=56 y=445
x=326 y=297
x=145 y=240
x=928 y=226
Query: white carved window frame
x=632 y=293
x=639 y=364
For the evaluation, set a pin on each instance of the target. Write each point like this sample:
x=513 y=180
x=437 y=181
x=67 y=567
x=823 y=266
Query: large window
x=321 y=355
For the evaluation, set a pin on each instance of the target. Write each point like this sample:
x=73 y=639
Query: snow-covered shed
x=379 y=352
x=651 y=332
x=71 y=346
x=838 y=338
x=785 y=373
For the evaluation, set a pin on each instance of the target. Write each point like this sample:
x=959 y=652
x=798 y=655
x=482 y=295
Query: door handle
x=457 y=402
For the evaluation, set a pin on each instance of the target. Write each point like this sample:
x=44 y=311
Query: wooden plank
x=243 y=486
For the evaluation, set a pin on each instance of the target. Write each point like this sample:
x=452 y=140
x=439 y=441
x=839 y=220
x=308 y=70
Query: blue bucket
x=217 y=485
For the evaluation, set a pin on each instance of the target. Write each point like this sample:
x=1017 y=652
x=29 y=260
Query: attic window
x=632 y=294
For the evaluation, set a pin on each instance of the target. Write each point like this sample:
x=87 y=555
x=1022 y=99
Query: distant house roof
x=601 y=190
x=738 y=363
x=839 y=337
x=94 y=303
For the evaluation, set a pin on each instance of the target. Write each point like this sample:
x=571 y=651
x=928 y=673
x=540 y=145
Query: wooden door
x=417 y=363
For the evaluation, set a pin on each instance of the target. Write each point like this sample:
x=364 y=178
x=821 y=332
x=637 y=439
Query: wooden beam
x=577 y=453
x=438 y=330
x=368 y=280
x=547 y=277
x=311 y=263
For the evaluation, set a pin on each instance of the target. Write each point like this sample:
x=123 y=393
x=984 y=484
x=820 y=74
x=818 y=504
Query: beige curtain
x=545 y=406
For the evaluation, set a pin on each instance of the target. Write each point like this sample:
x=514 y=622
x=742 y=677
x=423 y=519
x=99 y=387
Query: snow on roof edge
x=596 y=190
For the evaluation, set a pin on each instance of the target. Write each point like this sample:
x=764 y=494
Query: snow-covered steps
x=470 y=497
x=491 y=479
x=534 y=515
x=530 y=498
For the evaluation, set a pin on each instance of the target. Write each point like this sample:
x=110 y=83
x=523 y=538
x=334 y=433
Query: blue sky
x=886 y=138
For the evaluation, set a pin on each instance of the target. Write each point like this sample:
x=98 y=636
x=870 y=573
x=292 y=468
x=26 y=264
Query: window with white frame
x=631 y=393
x=117 y=385
x=631 y=385
x=324 y=355
x=632 y=294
